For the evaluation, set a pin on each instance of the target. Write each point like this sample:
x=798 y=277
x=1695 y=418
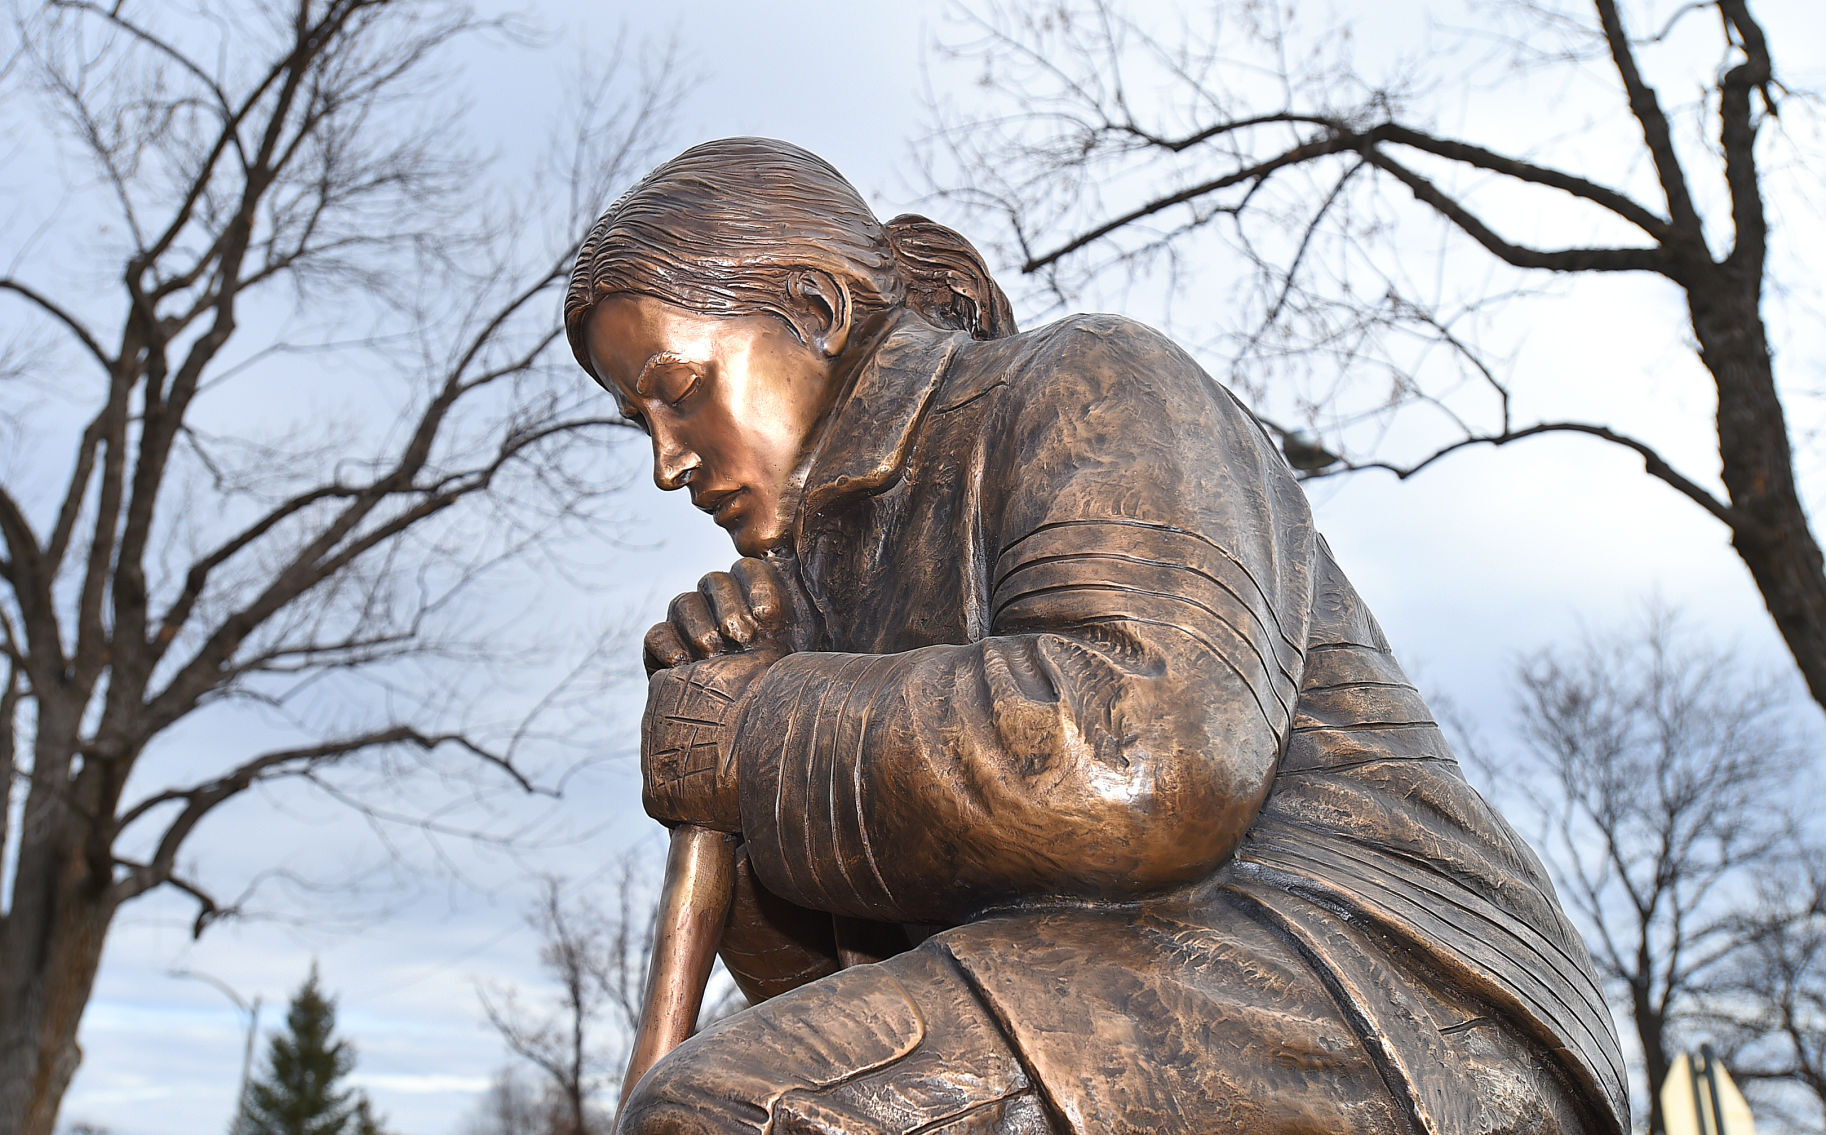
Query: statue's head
x=725 y=300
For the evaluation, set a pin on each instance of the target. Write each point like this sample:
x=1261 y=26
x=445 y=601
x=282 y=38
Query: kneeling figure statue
x=1076 y=789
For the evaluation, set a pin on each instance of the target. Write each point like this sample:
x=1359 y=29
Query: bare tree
x=598 y=961
x=1120 y=146
x=1768 y=1014
x=510 y=1106
x=261 y=202
x=1661 y=779
x=597 y=954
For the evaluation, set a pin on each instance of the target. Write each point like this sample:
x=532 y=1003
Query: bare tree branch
x=32 y=588
x=208 y=909
x=70 y=322
x=1554 y=260
x=1470 y=154
x=10 y=697
x=77 y=490
x=1255 y=172
x=1662 y=765
x=1737 y=138
x=202 y=799
x=1478 y=157
x=1655 y=130
x=1096 y=181
x=327 y=555
x=319 y=145
x=113 y=16
x=598 y=964
x=1653 y=462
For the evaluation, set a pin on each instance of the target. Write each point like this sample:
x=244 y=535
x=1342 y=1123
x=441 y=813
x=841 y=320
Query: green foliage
x=365 y=1121
x=300 y=1090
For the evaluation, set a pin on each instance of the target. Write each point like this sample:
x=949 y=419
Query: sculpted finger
x=663 y=649
x=690 y=615
x=728 y=606
x=765 y=588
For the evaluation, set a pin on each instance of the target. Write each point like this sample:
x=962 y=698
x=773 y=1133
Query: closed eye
x=673 y=385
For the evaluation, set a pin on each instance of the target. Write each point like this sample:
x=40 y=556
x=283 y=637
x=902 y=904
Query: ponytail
x=947 y=280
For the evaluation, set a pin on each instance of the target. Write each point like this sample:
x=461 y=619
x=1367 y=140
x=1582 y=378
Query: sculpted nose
x=673 y=464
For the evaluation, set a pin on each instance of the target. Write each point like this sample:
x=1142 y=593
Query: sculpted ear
x=821 y=308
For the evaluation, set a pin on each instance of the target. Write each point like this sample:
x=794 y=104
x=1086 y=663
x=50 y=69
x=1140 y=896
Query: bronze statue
x=1077 y=790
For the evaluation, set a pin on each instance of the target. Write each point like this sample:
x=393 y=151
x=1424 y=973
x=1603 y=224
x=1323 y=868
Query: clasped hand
x=713 y=644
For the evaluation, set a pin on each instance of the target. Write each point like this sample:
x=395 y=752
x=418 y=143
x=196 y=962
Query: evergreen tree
x=366 y=1123
x=300 y=1090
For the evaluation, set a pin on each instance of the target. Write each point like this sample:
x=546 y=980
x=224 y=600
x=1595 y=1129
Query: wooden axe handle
x=693 y=908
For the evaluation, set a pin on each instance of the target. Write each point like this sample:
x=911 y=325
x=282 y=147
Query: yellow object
x=1699 y=1098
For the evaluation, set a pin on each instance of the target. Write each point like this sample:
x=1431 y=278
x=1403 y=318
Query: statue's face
x=731 y=403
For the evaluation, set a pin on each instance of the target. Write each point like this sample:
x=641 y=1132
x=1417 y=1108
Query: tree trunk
x=576 y=1121
x=50 y=948
x=38 y=1050
x=1770 y=531
x=1650 y=1030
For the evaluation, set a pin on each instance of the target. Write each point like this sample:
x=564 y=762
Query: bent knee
x=729 y=1078
x=690 y=1093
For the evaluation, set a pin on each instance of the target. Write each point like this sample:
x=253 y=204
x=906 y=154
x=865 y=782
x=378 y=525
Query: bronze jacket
x=1093 y=686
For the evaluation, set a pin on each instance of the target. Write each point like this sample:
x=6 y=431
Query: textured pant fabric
x=906 y=1046
x=900 y=1046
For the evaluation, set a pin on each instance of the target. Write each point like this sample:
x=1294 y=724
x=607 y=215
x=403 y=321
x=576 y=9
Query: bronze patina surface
x=1077 y=789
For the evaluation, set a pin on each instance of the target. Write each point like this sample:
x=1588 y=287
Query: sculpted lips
x=715 y=501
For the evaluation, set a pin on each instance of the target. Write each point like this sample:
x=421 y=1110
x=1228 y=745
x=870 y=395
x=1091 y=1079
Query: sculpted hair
x=724 y=228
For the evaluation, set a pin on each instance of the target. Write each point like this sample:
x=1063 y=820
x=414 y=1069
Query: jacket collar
x=870 y=432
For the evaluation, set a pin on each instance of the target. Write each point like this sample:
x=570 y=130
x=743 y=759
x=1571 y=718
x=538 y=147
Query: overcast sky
x=1491 y=555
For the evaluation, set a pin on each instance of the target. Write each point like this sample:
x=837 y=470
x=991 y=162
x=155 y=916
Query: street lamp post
x=252 y=1012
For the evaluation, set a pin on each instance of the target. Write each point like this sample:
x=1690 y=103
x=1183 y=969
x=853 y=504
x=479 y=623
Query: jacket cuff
x=798 y=755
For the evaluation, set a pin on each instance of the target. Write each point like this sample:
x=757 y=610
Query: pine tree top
x=300 y=1090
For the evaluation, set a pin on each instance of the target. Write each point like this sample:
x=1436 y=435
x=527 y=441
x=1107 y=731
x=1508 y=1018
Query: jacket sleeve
x=1148 y=560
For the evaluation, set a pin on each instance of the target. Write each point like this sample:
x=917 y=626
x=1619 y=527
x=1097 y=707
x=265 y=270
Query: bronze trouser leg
x=883 y=1049
x=1246 y=1039
x=1181 y=1029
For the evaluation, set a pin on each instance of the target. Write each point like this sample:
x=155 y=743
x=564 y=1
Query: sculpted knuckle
x=766 y=606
